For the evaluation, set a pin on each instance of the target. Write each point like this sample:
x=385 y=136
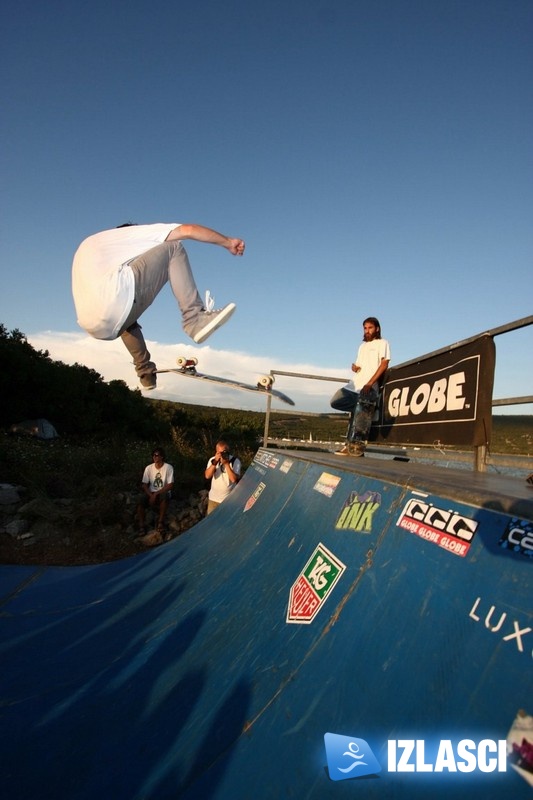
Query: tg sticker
x=313 y=585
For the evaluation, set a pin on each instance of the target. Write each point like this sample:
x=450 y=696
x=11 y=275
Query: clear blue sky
x=375 y=156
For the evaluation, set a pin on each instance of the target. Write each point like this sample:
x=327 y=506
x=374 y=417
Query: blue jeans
x=361 y=408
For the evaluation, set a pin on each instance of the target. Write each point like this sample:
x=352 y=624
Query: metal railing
x=480 y=451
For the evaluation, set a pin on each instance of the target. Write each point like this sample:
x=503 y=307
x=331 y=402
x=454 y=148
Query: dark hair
x=374 y=321
x=160 y=451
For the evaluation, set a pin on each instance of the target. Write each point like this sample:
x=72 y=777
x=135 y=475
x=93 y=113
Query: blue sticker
x=349 y=757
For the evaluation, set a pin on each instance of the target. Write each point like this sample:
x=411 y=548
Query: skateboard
x=364 y=414
x=187 y=368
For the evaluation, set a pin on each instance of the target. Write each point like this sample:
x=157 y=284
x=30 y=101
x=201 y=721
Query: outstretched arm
x=199 y=233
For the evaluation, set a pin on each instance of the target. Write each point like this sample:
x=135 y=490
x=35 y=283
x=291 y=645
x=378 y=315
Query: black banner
x=445 y=398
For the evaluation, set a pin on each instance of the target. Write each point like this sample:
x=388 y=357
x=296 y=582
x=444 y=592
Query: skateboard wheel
x=266 y=380
x=182 y=362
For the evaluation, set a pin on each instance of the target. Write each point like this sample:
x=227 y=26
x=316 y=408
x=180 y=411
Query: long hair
x=374 y=321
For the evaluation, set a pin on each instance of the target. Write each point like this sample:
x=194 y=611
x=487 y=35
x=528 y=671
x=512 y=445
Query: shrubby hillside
x=77 y=401
x=74 y=398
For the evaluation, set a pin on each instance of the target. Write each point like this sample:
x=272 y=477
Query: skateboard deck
x=187 y=368
x=364 y=414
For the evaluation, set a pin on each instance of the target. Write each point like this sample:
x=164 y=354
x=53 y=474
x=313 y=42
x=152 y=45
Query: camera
x=225 y=454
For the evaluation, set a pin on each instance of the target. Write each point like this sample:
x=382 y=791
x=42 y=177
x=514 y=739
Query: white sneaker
x=344 y=452
x=356 y=449
x=207 y=322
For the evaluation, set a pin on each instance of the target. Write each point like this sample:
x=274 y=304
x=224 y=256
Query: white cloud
x=112 y=362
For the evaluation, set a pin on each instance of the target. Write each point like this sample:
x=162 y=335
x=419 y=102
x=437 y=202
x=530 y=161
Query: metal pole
x=480 y=458
x=267 y=420
x=513 y=401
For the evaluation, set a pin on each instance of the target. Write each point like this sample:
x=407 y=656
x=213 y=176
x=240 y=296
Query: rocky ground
x=65 y=532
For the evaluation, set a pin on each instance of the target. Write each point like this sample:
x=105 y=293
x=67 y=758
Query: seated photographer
x=224 y=472
x=157 y=483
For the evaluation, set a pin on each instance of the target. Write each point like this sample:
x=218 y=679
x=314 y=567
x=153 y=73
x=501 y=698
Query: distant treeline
x=512 y=435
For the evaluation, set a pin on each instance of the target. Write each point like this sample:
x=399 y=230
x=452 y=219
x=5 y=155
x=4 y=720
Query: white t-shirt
x=103 y=284
x=369 y=357
x=158 y=478
x=221 y=485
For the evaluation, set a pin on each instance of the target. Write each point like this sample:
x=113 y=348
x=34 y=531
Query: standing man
x=224 y=472
x=117 y=274
x=361 y=395
x=157 y=484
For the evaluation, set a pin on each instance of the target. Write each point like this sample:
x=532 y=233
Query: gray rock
x=40 y=507
x=16 y=527
x=9 y=494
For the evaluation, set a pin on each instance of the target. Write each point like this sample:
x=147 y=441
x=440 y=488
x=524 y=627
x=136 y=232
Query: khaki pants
x=165 y=263
x=211 y=505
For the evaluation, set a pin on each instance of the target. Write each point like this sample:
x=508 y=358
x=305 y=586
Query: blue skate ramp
x=375 y=600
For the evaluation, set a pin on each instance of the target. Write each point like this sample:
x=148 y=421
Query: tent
x=40 y=428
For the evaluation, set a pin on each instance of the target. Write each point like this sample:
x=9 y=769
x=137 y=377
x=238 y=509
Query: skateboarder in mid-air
x=118 y=273
x=360 y=396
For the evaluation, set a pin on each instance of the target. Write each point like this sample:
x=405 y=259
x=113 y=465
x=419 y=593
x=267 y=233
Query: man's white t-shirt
x=221 y=485
x=103 y=284
x=369 y=357
x=158 y=477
